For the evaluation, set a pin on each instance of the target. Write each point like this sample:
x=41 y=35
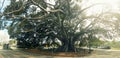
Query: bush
x=95 y=43
x=113 y=44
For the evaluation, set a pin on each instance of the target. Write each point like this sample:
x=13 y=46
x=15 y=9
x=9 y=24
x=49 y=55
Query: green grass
x=114 y=45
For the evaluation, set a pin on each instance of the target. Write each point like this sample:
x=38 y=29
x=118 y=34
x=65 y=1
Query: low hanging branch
x=14 y=11
x=34 y=18
x=21 y=8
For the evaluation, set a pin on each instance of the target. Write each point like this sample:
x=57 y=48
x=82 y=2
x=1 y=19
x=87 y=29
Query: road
x=22 y=54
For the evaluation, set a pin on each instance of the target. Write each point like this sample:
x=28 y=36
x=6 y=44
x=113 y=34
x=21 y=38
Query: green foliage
x=113 y=44
x=32 y=27
x=96 y=42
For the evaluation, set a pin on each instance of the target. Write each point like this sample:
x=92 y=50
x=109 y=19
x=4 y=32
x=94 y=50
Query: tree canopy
x=58 y=23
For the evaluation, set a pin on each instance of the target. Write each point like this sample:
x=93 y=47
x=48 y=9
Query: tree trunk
x=71 y=47
x=6 y=46
x=67 y=46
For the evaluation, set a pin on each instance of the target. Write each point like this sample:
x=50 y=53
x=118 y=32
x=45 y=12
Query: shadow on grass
x=48 y=52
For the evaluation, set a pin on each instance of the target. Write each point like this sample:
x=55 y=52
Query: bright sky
x=103 y=6
x=4 y=37
x=7 y=2
x=4 y=33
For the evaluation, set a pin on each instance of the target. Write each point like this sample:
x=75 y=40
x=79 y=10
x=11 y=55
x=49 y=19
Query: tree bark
x=67 y=46
x=6 y=46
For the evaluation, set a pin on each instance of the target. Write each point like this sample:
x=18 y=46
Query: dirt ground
x=21 y=54
x=102 y=53
x=96 y=54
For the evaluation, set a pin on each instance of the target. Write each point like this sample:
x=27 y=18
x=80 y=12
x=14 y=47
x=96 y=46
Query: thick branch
x=57 y=10
x=38 y=5
x=34 y=18
x=16 y=10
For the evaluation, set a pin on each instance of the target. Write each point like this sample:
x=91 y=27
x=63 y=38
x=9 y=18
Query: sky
x=6 y=2
x=103 y=6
